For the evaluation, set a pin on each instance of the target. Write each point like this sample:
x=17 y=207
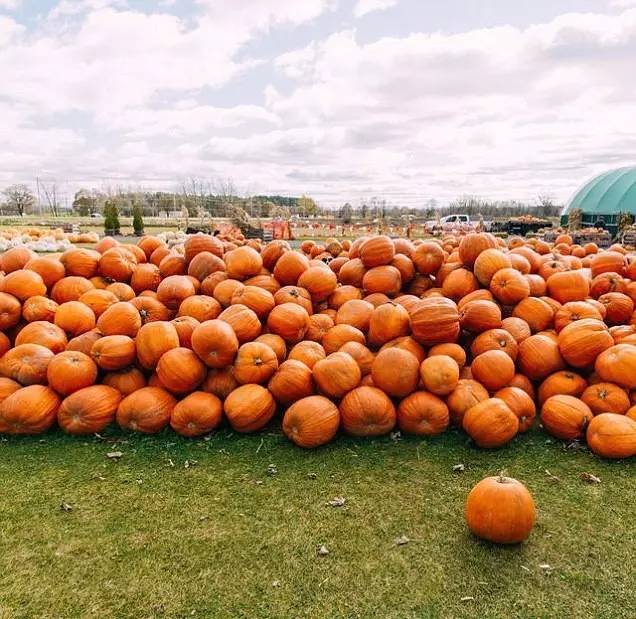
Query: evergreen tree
x=138 y=220
x=111 y=218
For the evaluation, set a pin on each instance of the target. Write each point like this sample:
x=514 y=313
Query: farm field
x=148 y=537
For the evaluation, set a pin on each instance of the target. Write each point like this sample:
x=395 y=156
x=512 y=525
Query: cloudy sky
x=342 y=99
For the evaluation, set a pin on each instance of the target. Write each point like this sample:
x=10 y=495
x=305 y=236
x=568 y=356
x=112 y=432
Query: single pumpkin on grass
x=500 y=510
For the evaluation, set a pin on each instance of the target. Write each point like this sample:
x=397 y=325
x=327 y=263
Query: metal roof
x=610 y=193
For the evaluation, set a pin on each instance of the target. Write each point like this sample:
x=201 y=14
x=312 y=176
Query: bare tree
x=19 y=198
x=51 y=197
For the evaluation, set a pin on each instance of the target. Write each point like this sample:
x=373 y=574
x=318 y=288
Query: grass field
x=179 y=528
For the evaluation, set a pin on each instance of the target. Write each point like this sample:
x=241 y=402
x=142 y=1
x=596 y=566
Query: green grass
x=148 y=537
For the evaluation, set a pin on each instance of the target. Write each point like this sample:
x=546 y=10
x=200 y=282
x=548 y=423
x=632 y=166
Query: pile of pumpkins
x=363 y=337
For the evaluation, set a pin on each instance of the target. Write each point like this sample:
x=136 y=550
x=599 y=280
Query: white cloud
x=363 y=7
x=9 y=5
x=623 y=4
x=98 y=90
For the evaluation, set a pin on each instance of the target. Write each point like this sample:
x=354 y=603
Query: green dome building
x=605 y=197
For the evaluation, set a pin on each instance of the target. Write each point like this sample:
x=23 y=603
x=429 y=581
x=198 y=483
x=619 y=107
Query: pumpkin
x=150 y=309
x=320 y=282
x=153 y=340
x=435 y=321
x=292 y=381
x=224 y=291
x=423 y=414
x=355 y=312
x=573 y=311
x=439 y=374
x=43 y=333
x=377 y=251
x=255 y=363
x=215 y=342
x=537 y=314
x=517 y=327
x=619 y=308
x=243 y=320
x=500 y=510
x=367 y=411
x=491 y=423
x=84 y=343
x=459 y=283
x=311 y=421
x=388 y=321
x=606 y=398
x=49 y=269
x=488 y=262
x=617 y=364
x=174 y=289
x=70 y=371
x=396 y=372
x=220 y=382
x=26 y=363
x=7 y=387
x=276 y=343
x=88 y=410
x=521 y=404
x=30 y=410
x=113 y=352
x=200 y=307
x=70 y=288
x=612 y=436
x=198 y=243
x=10 y=311
x=384 y=279
x=147 y=411
x=23 y=284
x=243 y=262
x=289 y=267
x=473 y=244
x=319 y=324
x=605 y=283
x=249 y=408
x=290 y=321
x=582 y=341
x=121 y=318
x=74 y=318
x=180 y=370
x=480 y=316
x=494 y=369
x=309 y=352
x=564 y=382
x=607 y=262
x=455 y=351
x=97 y=300
x=568 y=286
x=204 y=264
x=16 y=258
x=39 y=308
x=565 y=417
x=539 y=357
x=337 y=374
x=117 y=264
x=428 y=258
x=339 y=335
x=210 y=283
x=126 y=380
x=198 y=413
x=509 y=286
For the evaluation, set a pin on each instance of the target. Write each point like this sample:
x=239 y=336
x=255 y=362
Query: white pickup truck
x=451 y=223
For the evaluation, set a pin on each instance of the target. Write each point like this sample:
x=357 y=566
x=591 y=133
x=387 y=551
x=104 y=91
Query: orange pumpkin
x=488 y=262
x=113 y=352
x=377 y=251
x=39 y=308
x=562 y=383
x=126 y=380
x=435 y=321
x=290 y=321
x=336 y=374
x=43 y=333
x=198 y=413
x=180 y=370
x=70 y=371
x=439 y=374
x=388 y=321
x=606 y=398
x=30 y=410
x=367 y=411
x=479 y=316
x=494 y=369
x=121 y=318
x=311 y=421
x=582 y=341
x=521 y=404
x=243 y=262
x=509 y=286
x=23 y=284
x=491 y=423
x=249 y=408
x=26 y=363
x=88 y=410
x=396 y=372
x=50 y=270
x=292 y=381
x=423 y=414
x=243 y=320
x=565 y=417
x=255 y=363
x=500 y=510
x=147 y=411
x=612 y=436
x=539 y=357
